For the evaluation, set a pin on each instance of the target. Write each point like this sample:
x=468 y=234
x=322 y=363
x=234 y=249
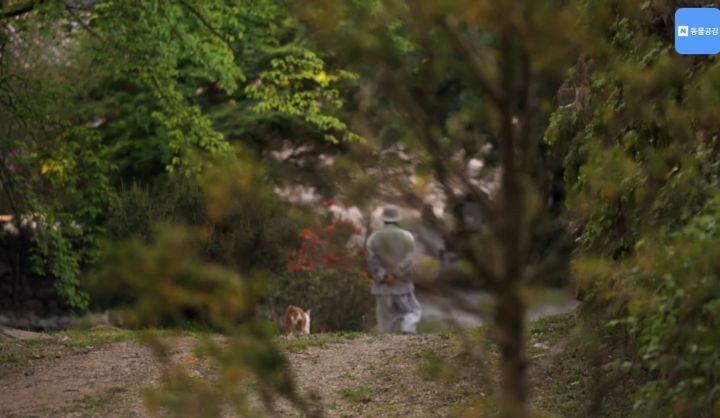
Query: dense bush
x=328 y=275
x=340 y=300
x=168 y=281
x=236 y=219
x=139 y=206
x=664 y=300
x=240 y=224
x=678 y=327
x=641 y=174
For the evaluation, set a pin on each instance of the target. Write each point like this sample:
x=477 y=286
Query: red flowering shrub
x=327 y=247
x=329 y=276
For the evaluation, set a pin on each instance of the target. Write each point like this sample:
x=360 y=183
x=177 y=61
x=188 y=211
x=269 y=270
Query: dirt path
x=54 y=381
x=52 y=378
x=385 y=376
x=350 y=375
x=368 y=375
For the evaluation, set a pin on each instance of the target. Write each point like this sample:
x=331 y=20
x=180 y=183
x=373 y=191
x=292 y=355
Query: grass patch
x=360 y=394
x=430 y=325
x=553 y=328
x=562 y=374
x=434 y=367
x=19 y=352
x=95 y=404
x=300 y=342
x=446 y=334
x=13 y=357
x=473 y=406
x=94 y=337
x=560 y=377
x=91 y=338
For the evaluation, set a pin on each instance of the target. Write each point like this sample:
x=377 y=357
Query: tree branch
x=207 y=24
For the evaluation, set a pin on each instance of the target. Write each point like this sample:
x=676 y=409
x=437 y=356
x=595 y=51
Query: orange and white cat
x=297 y=321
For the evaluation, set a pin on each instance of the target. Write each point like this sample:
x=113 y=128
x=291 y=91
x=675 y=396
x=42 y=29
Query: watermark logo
x=697 y=31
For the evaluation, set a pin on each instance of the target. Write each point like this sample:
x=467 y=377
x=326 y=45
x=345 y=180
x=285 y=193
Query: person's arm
x=377 y=271
x=405 y=267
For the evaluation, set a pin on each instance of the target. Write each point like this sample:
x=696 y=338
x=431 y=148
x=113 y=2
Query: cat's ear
x=308 y=311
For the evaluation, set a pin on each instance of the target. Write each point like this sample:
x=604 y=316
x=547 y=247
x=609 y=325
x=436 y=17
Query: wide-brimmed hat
x=391 y=213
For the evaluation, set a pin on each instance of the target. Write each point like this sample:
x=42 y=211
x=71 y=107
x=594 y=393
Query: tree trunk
x=510 y=323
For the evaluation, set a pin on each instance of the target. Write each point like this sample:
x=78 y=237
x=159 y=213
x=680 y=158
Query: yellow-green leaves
x=299 y=85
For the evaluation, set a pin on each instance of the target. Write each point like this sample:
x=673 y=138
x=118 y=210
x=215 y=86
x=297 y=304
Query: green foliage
x=55 y=171
x=150 y=65
x=167 y=281
x=673 y=313
x=234 y=217
x=339 y=299
x=172 y=49
x=326 y=273
x=53 y=256
x=161 y=42
x=168 y=269
x=68 y=231
x=641 y=173
x=210 y=268
x=143 y=111
x=138 y=207
x=283 y=89
x=248 y=226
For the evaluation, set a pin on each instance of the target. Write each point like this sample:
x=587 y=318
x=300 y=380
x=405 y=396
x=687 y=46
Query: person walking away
x=391 y=264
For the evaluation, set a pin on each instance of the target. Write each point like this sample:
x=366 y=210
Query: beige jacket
x=391 y=251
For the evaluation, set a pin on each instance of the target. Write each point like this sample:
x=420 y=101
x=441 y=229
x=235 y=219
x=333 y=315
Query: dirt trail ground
x=57 y=381
x=351 y=375
x=382 y=375
x=386 y=376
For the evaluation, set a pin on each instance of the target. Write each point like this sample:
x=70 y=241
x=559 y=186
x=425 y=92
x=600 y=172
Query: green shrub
x=139 y=207
x=642 y=187
x=340 y=300
x=235 y=218
x=676 y=320
x=665 y=301
x=241 y=222
x=328 y=276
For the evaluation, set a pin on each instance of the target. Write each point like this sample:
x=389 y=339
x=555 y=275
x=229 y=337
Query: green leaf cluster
x=640 y=163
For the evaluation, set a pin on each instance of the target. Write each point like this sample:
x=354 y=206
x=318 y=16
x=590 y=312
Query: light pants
x=393 y=309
